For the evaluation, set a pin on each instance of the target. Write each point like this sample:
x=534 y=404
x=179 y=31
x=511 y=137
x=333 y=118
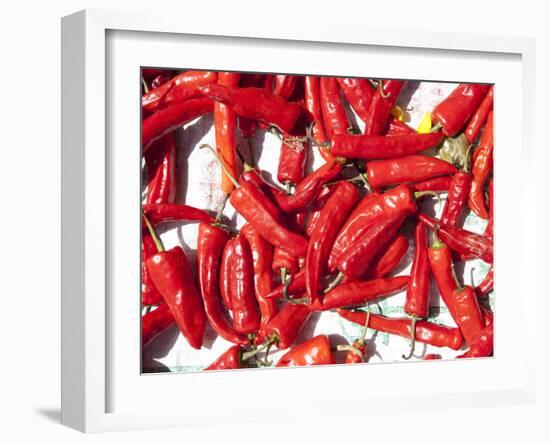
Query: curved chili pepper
x=277 y=196
x=316 y=207
x=453 y=112
x=292 y=161
x=482 y=344
x=456 y=198
x=358 y=293
x=228 y=360
x=226 y=271
x=256 y=103
x=161 y=171
x=381 y=105
x=488 y=233
x=460 y=240
x=397 y=127
x=315 y=351
x=356 y=259
x=370 y=147
x=369 y=211
x=225 y=123
x=481 y=169
x=331 y=218
x=154 y=323
x=437 y=184
x=246 y=318
x=296 y=286
x=284 y=85
x=468 y=313
x=171 y=273
x=409 y=169
x=391 y=258
x=332 y=108
x=210 y=246
x=160 y=213
x=149 y=293
x=169 y=119
x=286 y=325
x=427 y=332
x=247 y=126
x=313 y=106
x=262 y=257
x=359 y=94
x=181 y=88
x=486 y=286
x=479 y=117
x=441 y=263
x=417 y=299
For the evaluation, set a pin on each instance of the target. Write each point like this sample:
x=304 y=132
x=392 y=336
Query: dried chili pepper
x=441 y=263
x=456 y=198
x=161 y=171
x=479 y=117
x=390 y=258
x=486 y=286
x=225 y=273
x=313 y=106
x=427 y=332
x=256 y=103
x=292 y=161
x=316 y=207
x=332 y=108
x=331 y=218
x=380 y=108
x=455 y=110
x=358 y=293
x=284 y=85
x=154 y=323
x=247 y=126
x=370 y=147
x=437 y=184
x=460 y=240
x=160 y=213
x=483 y=161
x=409 y=169
x=468 y=313
x=169 y=119
x=315 y=351
x=149 y=293
x=286 y=325
x=488 y=233
x=359 y=94
x=397 y=127
x=210 y=245
x=482 y=344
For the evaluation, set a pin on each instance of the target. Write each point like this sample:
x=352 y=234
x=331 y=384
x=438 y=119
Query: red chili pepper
x=284 y=85
x=181 y=88
x=359 y=293
x=460 y=240
x=262 y=256
x=381 y=105
x=417 y=300
x=225 y=123
x=161 y=171
x=482 y=344
x=409 y=169
x=370 y=147
x=316 y=207
x=246 y=318
x=154 y=323
x=468 y=313
x=286 y=325
x=161 y=79
x=283 y=260
x=359 y=94
x=313 y=106
x=150 y=73
x=210 y=246
x=427 y=332
x=358 y=355
x=149 y=293
x=247 y=126
x=296 y=286
x=159 y=213
x=228 y=360
x=169 y=119
x=483 y=163
x=368 y=212
x=256 y=103
x=331 y=218
x=479 y=117
x=488 y=233
x=486 y=286
x=355 y=260
x=391 y=258
x=437 y=184
x=171 y=273
x=332 y=108
x=397 y=127
x=456 y=198
x=441 y=263
x=315 y=351
x=226 y=272
x=453 y=112
x=292 y=161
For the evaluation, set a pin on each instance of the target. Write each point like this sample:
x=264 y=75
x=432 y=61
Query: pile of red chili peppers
x=329 y=239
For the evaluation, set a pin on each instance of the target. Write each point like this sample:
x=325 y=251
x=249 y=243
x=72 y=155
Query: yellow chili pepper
x=425 y=125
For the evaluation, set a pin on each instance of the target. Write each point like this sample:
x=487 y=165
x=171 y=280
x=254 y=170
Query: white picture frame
x=87 y=357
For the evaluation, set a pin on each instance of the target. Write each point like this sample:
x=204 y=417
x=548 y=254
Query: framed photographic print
x=265 y=211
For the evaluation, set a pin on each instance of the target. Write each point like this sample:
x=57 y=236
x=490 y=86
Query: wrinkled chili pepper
x=390 y=258
x=161 y=171
x=460 y=240
x=154 y=323
x=247 y=126
x=488 y=233
x=482 y=344
x=292 y=161
x=456 y=198
x=409 y=169
x=427 y=332
x=397 y=127
x=453 y=112
x=381 y=105
x=479 y=117
x=332 y=108
x=169 y=119
x=370 y=147
x=441 y=263
x=486 y=286
x=284 y=85
x=437 y=184
x=286 y=325
x=315 y=351
x=225 y=273
x=331 y=218
x=256 y=103
x=359 y=94
x=358 y=293
x=149 y=293
x=313 y=106
x=468 y=313
x=171 y=273
x=210 y=246
x=316 y=207
x=181 y=88
x=160 y=213
x=481 y=169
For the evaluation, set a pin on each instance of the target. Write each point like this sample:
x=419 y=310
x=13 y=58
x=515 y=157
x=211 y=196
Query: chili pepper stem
x=222 y=164
x=145 y=87
x=349 y=347
x=435 y=127
x=251 y=353
x=381 y=87
x=284 y=281
x=156 y=239
x=413 y=338
x=219 y=214
x=335 y=282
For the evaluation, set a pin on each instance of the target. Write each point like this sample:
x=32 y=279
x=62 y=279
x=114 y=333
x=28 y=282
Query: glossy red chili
x=397 y=127
x=161 y=171
x=437 y=184
x=479 y=117
x=441 y=263
x=315 y=351
x=457 y=198
x=483 y=162
x=296 y=286
x=313 y=106
x=332 y=108
x=482 y=344
x=390 y=258
x=359 y=94
x=486 y=286
x=284 y=85
x=226 y=271
x=160 y=213
x=154 y=323
x=286 y=325
x=380 y=108
x=228 y=360
x=468 y=313
x=149 y=293
x=418 y=290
